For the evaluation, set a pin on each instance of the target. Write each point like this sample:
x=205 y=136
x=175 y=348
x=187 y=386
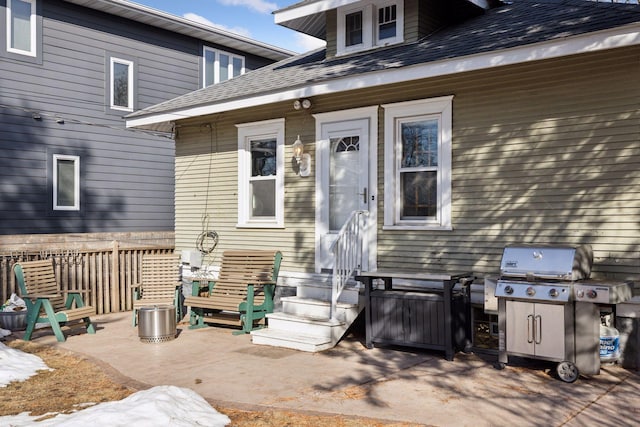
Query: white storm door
x=343 y=182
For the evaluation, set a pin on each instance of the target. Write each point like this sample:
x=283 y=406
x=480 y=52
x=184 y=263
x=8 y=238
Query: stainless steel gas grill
x=548 y=309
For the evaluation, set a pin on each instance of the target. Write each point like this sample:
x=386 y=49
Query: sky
x=157 y=406
x=249 y=18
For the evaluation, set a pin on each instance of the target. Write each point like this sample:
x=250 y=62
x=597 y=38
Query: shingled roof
x=497 y=37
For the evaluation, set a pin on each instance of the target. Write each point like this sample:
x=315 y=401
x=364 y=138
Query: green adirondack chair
x=45 y=303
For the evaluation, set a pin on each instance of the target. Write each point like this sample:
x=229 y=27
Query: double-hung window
x=261 y=174
x=418 y=164
x=387 y=25
x=220 y=66
x=21 y=27
x=121 y=84
x=369 y=24
x=66 y=183
x=353 y=29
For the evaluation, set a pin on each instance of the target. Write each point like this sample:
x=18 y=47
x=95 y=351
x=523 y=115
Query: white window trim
x=76 y=180
x=248 y=132
x=32 y=22
x=216 y=64
x=113 y=60
x=442 y=107
x=370 y=39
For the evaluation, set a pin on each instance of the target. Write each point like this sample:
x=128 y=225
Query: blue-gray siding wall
x=127 y=177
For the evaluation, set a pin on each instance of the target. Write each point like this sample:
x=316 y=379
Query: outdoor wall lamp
x=301 y=103
x=301 y=160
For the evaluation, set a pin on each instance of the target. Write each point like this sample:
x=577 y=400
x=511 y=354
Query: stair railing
x=347 y=255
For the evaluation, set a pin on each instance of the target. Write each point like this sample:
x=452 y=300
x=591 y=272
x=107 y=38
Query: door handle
x=364 y=195
x=538 y=333
x=530 y=329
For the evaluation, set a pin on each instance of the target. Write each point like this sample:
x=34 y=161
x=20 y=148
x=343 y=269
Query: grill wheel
x=567 y=372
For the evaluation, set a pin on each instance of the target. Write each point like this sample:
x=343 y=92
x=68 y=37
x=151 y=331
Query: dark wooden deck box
x=416 y=319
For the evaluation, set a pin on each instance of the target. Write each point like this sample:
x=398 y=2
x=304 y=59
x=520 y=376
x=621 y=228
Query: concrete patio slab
x=390 y=384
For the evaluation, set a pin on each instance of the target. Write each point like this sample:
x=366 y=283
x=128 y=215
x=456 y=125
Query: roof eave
x=167 y=21
x=309 y=17
x=624 y=36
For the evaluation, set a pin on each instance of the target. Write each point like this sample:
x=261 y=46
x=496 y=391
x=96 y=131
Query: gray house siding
x=126 y=177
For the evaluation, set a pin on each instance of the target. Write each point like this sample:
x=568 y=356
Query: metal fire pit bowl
x=157 y=324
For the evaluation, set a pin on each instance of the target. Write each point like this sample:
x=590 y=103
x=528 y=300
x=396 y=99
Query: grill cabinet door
x=535 y=329
x=550 y=331
x=520 y=317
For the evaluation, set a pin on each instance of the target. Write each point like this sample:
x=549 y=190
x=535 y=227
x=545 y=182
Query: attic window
x=354 y=29
x=387 y=22
x=220 y=66
x=369 y=24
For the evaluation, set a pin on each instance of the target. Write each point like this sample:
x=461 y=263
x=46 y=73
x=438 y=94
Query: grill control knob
x=531 y=291
x=592 y=294
x=508 y=290
x=553 y=293
x=580 y=293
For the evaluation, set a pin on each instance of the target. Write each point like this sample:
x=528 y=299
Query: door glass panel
x=344 y=178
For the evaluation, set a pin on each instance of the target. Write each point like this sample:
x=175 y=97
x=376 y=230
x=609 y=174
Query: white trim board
x=593 y=42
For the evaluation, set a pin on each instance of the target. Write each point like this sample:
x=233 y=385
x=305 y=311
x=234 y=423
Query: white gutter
x=592 y=42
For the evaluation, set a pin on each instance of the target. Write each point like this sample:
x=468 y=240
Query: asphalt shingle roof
x=516 y=24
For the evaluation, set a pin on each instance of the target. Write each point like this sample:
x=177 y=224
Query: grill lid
x=547 y=262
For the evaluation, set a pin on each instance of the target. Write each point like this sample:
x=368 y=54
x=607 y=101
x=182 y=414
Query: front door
x=343 y=185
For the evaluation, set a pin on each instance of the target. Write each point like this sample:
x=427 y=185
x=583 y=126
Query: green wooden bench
x=243 y=293
x=45 y=302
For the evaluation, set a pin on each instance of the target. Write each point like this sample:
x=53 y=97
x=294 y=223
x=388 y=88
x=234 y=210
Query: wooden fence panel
x=108 y=274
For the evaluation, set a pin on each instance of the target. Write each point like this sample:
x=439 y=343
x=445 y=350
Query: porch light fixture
x=301 y=103
x=302 y=160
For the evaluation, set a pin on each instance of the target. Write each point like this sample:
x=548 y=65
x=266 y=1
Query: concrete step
x=316 y=308
x=307 y=325
x=286 y=339
x=322 y=292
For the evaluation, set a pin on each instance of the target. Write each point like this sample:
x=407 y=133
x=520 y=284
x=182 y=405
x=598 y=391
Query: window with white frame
x=418 y=164
x=261 y=174
x=369 y=24
x=66 y=182
x=21 y=27
x=121 y=84
x=220 y=66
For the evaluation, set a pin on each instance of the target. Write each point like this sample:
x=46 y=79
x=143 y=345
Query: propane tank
x=609 y=341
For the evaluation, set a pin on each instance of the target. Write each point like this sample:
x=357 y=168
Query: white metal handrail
x=347 y=255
